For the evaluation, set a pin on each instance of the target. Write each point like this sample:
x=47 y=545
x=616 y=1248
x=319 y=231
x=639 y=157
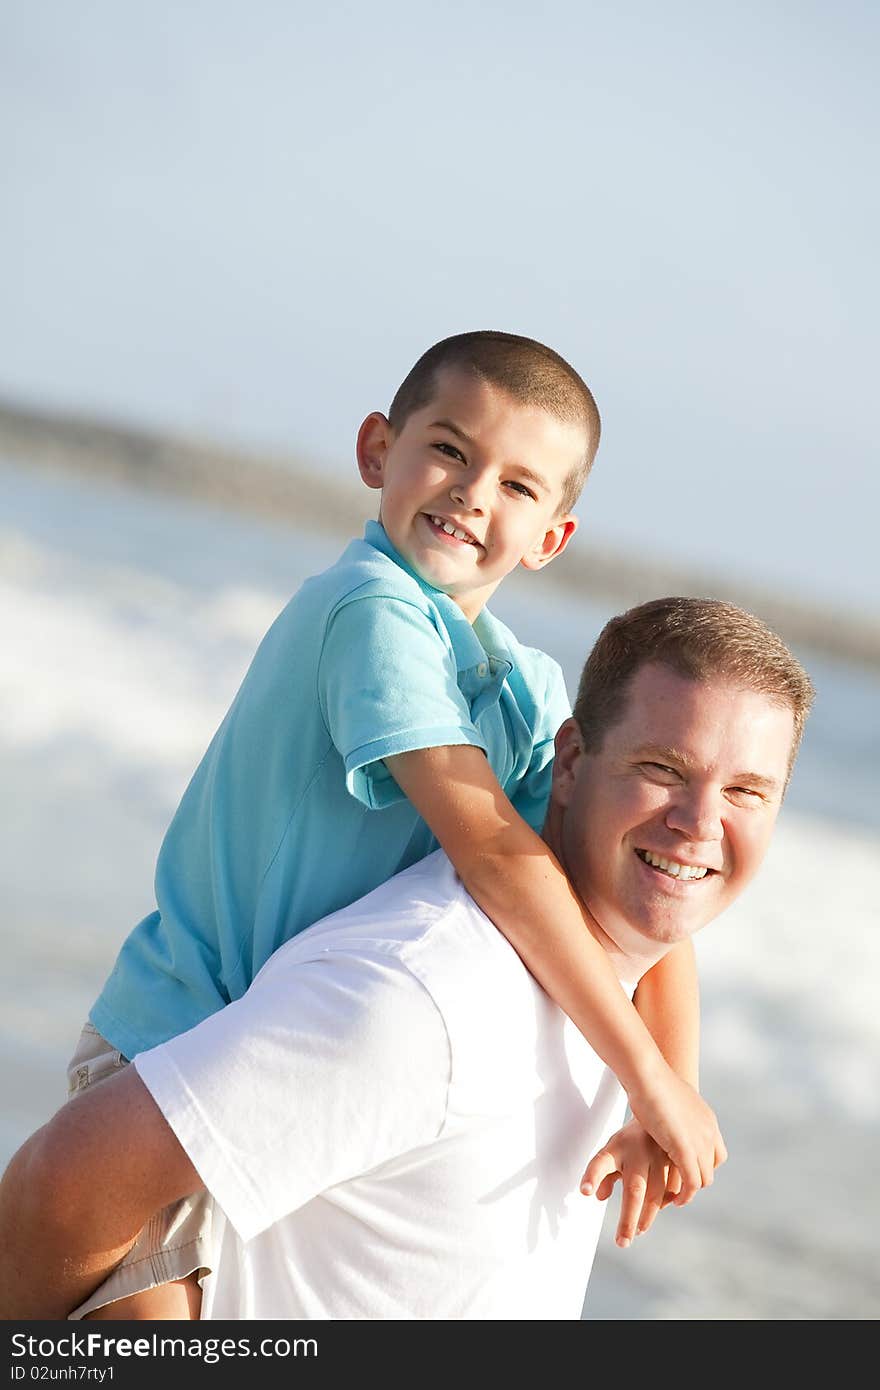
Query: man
x=394 y=1119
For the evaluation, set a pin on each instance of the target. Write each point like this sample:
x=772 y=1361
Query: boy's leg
x=180 y=1300
x=159 y=1277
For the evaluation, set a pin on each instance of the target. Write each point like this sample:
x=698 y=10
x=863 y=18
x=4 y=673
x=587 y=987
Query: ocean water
x=128 y=622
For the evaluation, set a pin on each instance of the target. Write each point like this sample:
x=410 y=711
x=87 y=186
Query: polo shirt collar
x=481 y=647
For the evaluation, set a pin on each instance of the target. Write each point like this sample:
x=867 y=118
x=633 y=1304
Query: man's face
x=472 y=486
x=663 y=828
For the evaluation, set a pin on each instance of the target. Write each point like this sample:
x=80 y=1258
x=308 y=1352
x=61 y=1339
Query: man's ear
x=373 y=441
x=552 y=543
x=569 y=751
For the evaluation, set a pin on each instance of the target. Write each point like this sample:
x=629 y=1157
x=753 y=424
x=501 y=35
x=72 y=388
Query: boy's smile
x=472 y=486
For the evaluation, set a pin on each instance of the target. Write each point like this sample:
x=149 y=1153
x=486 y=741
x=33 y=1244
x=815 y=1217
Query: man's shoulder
x=423 y=927
x=422 y=918
x=418 y=958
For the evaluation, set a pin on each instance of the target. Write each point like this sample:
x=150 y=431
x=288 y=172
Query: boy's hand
x=684 y=1127
x=648 y=1180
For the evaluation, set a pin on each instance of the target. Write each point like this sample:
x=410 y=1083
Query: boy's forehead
x=480 y=409
x=470 y=392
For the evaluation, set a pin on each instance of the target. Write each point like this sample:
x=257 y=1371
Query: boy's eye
x=520 y=489
x=450 y=450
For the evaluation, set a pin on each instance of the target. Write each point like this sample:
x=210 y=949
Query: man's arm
x=326 y=1030
x=76 y=1194
x=521 y=886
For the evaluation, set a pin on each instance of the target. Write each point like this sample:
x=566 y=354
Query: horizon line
x=282 y=486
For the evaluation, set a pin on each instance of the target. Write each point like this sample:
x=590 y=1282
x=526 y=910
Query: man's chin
x=647 y=933
x=665 y=930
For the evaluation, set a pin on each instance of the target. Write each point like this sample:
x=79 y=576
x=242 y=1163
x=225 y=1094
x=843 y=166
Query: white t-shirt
x=393 y=1120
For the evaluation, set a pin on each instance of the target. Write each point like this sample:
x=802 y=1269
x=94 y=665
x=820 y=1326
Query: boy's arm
x=520 y=885
x=668 y=1000
x=76 y=1194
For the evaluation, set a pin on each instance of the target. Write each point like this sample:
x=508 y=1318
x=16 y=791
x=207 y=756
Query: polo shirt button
x=482 y=669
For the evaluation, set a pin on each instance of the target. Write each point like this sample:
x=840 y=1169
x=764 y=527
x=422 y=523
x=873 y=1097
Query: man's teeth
x=672 y=866
x=451 y=530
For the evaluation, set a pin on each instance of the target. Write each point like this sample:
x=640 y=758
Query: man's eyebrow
x=522 y=469
x=663 y=753
x=756 y=780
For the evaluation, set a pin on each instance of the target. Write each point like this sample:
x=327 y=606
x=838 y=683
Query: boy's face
x=471 y=486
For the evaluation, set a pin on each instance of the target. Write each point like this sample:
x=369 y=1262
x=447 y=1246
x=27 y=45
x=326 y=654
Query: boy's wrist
x=646 y=1070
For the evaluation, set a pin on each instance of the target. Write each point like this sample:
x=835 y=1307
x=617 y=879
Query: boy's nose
x=469 y=492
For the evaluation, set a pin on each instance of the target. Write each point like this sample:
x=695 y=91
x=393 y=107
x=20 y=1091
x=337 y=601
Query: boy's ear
x=551 y=544
x=373 y=441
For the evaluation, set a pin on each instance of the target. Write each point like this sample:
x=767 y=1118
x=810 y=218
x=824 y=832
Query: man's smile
x=674 y=868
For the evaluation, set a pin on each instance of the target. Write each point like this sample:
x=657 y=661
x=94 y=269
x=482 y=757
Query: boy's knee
x=46 y=1176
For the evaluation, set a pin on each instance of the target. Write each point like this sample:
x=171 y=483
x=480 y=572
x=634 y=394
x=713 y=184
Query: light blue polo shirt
x=291 y=814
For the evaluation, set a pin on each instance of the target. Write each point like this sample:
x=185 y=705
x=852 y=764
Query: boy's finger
x=600 y=1166
x=653 y=1198
x=631 y=1203
x=691 y=1182
x=650 y=1208
x=673 y=1185
x=673 y=1180
x=606 y=1186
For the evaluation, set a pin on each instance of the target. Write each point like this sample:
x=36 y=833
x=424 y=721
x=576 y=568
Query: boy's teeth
x=450 y=530
x=672 y=866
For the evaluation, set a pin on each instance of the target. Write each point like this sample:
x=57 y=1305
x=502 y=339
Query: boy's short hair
x=698 y=638
x=528 y=371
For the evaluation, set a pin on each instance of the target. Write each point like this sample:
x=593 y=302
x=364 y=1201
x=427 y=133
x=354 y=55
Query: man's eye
x=744 y=794
x=659 y=772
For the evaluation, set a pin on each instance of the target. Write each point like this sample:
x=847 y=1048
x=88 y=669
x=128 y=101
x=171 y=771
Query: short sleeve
x=325 y=1069
x=387 y=683
x=531 y=796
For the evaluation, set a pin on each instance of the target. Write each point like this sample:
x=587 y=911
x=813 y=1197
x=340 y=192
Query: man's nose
x=696 y=813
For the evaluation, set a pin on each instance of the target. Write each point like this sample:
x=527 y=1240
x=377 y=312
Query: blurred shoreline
x=286 y=490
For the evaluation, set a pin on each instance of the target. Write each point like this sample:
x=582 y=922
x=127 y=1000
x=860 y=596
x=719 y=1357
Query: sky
x=246 y=221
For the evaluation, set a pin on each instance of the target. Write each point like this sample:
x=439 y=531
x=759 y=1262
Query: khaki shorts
x=175 y=1242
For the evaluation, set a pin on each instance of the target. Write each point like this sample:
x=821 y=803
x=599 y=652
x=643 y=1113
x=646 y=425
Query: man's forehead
x=671 y=717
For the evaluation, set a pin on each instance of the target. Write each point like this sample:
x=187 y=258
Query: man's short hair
x=698 y=638
x=529 y=372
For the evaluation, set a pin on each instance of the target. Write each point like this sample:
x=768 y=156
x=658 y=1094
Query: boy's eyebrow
x=662 y=753
x=522 y=469
x=453 y=429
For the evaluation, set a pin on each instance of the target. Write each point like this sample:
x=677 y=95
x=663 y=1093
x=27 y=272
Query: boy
x=385 y=712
